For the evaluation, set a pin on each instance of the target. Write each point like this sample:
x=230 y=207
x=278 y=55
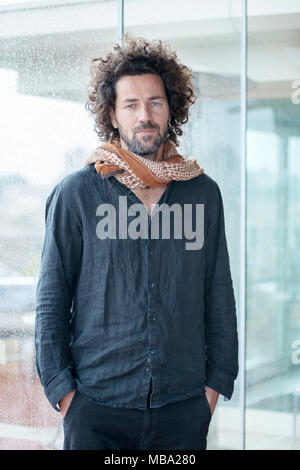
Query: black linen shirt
x=114 y=314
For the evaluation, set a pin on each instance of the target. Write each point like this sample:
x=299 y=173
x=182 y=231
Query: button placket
x=152 y=333
x=152 y=308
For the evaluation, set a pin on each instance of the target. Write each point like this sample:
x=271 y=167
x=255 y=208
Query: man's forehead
x=147 y=84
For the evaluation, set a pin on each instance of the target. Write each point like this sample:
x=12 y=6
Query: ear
x=113 y=118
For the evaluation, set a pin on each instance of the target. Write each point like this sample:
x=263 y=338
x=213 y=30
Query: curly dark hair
x=136 y=57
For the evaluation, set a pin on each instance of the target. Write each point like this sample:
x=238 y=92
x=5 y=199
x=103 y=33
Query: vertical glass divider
x=120 y=30
x=243 y=222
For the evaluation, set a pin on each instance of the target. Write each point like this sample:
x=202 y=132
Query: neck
x=155 y=157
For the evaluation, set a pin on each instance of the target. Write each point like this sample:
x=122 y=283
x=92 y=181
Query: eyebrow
x=131 y=100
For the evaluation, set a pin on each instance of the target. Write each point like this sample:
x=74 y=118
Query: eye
x=130 y=106
x=155 y=103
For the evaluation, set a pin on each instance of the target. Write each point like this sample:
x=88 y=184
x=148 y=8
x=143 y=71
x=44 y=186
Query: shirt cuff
x=58 y=388
x=220 y=381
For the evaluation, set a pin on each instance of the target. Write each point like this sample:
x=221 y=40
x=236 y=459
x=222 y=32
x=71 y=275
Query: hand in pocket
x=65 y=402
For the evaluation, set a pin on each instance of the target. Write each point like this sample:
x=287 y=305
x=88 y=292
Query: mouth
x=146 y=131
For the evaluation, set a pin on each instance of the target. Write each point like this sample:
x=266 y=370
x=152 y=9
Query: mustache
x=146 y=126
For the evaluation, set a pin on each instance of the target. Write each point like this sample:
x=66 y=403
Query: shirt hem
x=200 y=391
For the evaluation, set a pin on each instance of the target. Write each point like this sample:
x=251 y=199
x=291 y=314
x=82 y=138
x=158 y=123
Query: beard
x=144 y=146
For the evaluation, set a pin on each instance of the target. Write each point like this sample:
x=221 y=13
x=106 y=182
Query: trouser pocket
x=208 y=406
x=71 y=406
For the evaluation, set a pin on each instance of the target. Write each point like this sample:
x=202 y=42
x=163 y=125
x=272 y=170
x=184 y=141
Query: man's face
x=141 y=114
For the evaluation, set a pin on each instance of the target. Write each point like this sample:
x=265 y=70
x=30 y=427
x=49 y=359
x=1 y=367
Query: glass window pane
x=206 y=36
x=273 y=268
x=45 y=133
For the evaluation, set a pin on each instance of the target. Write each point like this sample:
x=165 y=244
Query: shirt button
x=152 y=284
x=152 y=351
x=147 y=368
x=151 y=252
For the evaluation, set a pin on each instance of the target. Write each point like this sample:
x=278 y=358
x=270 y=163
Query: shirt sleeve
x=220 y=308
x=60 y=259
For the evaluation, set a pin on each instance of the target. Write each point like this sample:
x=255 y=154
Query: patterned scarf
x=137 y=172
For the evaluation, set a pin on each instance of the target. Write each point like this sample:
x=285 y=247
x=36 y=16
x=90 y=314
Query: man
x=136 y=331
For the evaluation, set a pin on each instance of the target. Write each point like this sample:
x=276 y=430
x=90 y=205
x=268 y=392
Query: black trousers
x=176 y=426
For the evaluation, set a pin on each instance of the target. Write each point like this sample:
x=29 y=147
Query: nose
x=145 y=114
